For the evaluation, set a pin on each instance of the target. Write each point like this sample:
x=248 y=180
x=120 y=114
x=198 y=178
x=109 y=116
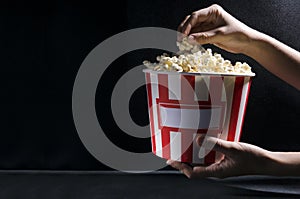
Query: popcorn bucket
x=184 y=105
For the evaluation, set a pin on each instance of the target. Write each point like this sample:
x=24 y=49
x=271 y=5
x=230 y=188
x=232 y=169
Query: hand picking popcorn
x=194 y=58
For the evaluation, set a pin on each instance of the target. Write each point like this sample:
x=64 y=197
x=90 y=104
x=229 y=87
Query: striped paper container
x=184 y=105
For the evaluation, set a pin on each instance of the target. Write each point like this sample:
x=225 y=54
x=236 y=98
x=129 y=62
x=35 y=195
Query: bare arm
x=242 y=159
x=284 y=163
x=215 y=26
x=276 y=57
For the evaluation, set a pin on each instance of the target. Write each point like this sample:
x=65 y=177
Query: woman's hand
x=214 y=25
x=240 y=159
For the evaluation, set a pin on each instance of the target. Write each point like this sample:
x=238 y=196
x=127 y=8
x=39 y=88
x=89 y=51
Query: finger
x=214 y=170
x=179 y=29
x=208 y=37
x=180 y=35
x=184 y=168
x=216 y=144
x=203 y=27
x=196 y=18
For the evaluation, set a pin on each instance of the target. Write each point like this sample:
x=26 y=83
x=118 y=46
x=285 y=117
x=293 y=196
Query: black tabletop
x=160 y=184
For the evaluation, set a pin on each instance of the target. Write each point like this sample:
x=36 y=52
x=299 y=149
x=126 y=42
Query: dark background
x=42 y=46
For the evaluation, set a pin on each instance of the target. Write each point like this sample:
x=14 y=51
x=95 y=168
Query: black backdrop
x=44 y=44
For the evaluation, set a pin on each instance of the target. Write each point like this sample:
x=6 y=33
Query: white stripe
x=191 y=118
x=154 y=89
x=158 y=143
x=201 y=88
x=241 y=110
x=229 y=87
x=174 y=85
x=196 y=150
x=223 y=97
x=175 y=145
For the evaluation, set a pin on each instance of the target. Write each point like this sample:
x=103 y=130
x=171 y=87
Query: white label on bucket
x=242 y=108
x=174 y=85
x=190 y=118
x=201 y=88
x=175 y=145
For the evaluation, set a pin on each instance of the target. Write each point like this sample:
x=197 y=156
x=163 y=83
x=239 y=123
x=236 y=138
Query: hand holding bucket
x=185 y=105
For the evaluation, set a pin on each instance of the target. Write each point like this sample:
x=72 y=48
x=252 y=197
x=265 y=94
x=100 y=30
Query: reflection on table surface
x=159 y=184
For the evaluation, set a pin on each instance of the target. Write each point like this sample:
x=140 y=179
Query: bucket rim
x=147 y=70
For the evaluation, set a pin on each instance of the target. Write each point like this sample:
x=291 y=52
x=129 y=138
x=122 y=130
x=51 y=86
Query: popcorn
x=194 y=58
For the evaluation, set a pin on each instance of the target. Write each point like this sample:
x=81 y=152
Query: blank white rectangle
x=190 y=118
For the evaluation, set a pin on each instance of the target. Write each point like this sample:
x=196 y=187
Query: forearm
x=283 y=164
x=278 y=58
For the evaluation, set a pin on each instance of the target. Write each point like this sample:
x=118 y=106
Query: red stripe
x=215 y=90
x=187 y=145
x=163 y=93
x=165 y=139
x=163 y=86
x=246 y=102
x=237 y=94
x=151 y=118
x=188 y=89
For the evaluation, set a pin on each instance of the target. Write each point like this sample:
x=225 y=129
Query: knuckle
x=216 y=7
x=194 y=14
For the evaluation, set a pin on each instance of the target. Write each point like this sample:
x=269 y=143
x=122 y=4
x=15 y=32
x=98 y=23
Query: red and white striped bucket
x=182 y=105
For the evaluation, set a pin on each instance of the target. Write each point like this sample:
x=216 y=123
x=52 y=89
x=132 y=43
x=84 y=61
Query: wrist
x=284 y=163
x=254 y=43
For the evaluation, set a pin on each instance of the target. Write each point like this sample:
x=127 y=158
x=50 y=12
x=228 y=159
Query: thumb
x=207 y=37
x=216 y=144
